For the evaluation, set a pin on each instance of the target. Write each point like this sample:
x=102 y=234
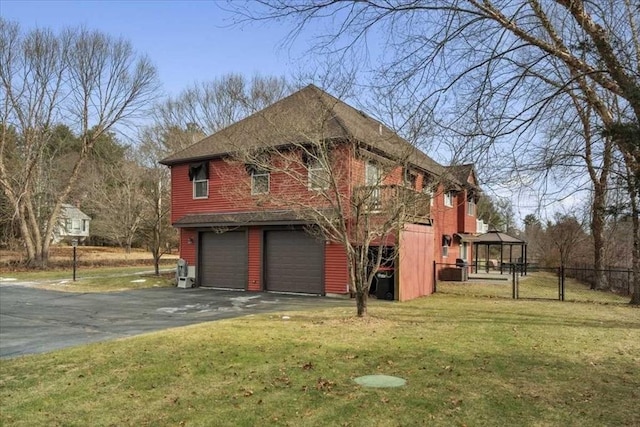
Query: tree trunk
x=635 y=218
x=635 y=296
x=599 y=250
x=361 y=302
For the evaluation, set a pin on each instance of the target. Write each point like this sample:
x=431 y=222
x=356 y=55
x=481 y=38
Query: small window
x=410 y=179
x=199 y=174
x=448 y=199
x=428 y=190
x=260 y=181
x=200 y=189
x=68 y=224
x=471 y=206
x=445 y=251
x=373 y=174
x=318 y=176
x=85 y=225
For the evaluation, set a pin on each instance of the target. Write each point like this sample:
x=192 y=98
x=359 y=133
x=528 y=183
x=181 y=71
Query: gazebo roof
x=496 y=237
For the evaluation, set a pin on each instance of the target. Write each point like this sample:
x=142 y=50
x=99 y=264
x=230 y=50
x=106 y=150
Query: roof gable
x=463 y=174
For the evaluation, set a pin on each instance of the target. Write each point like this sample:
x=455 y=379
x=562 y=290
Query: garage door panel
x=293 y=262
x=223 y=259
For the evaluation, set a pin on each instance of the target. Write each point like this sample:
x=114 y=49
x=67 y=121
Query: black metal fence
x=564 y=284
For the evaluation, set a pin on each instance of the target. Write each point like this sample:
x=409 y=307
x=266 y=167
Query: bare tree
x=155 y=192
x=210 y=106
x=117 y=203
x=81 y=78
x=493 y=69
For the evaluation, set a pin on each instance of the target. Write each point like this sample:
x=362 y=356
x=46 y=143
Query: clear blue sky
x=187 y=40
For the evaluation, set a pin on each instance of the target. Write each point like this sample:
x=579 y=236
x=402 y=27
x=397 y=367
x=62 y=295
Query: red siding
x=336 y=275
x=415 y=262
x=188 y=243
x=255 y=259
x=230 y=188
x=445 y=222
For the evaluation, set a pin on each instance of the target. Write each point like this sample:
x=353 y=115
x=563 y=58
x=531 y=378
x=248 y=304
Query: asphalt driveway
x=36 y=321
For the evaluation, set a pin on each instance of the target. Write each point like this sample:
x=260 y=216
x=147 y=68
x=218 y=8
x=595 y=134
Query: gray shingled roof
x=307 y=115
x=497 y=237
x=72 y=212
x=460 y=174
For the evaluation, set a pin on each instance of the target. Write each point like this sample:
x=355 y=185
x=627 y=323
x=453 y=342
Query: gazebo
x=497 y=238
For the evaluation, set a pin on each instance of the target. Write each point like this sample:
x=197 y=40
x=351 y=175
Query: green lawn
x=467 y=361
x=101 y=279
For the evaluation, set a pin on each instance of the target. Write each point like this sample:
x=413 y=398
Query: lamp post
x=74 y=243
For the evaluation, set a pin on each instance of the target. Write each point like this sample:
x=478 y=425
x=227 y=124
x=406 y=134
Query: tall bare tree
x=155 y=193
x=493 y=68
x=84 y=79
x=117 y=203
x=210 y=106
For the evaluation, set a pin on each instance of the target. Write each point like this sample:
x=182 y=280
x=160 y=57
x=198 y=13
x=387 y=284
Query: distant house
x=73 y=224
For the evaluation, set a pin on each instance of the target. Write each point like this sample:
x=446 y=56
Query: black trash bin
x=385 y=284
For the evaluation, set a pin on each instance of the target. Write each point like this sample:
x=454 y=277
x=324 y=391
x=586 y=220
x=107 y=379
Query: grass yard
x=467 y=361
x=103 y=279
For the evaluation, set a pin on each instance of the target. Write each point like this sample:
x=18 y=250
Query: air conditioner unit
x=185 y=275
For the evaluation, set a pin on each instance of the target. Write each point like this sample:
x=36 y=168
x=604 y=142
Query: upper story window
x=260 y=179
x=199 y=175
x=317 y=174
x=410 y=179
x=428 y=187
x=373 y=174
x=448 y=199
x=471 y=205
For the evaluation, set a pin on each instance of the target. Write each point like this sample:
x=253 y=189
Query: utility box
x=185 y=275
x=186 y=282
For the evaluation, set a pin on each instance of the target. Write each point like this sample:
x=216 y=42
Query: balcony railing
x=392 y=198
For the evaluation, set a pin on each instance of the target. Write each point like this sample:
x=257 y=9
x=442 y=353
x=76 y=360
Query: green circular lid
x=380 y=381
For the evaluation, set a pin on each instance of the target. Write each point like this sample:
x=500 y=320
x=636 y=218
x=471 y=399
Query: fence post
x=562 y=277
x=513 y=283
x=435 y=282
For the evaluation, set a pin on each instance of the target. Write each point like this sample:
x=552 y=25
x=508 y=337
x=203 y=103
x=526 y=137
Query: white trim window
x=317 y=175
x=199 y=175
x=200 y=188
x=429 y=191
x=471 y=206
x=448 y=199
x=260 y=181
x=445 y=251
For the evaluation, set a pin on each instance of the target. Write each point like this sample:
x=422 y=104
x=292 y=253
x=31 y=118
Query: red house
x=242 y=224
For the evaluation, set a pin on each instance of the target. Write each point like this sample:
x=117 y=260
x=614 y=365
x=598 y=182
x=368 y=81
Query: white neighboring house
x=73 y=224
